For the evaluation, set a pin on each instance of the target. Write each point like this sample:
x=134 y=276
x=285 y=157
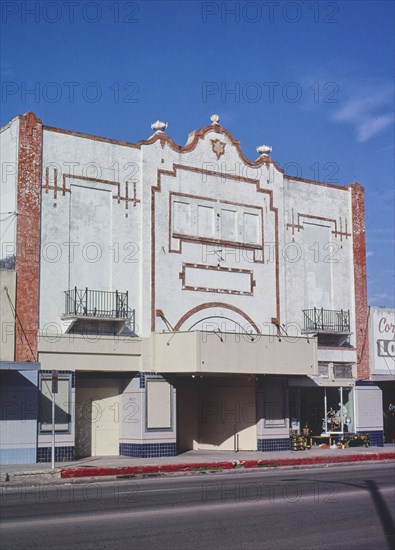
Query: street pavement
x=347 y=507
x=191 y=461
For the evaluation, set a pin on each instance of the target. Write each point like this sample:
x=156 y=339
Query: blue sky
x=315 y=80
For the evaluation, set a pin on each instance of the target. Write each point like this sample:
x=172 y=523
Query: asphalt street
x=340 y=507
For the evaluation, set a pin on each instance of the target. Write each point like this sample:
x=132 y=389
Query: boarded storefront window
x=158 y=402
x=62 y=405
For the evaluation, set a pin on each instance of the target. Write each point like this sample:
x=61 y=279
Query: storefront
x=322 y=409
x=382 y=363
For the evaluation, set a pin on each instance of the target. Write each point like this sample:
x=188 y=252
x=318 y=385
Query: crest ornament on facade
x=218 y=147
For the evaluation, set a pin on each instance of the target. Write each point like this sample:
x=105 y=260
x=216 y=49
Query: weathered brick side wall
x=361 y=296
x=28 y=236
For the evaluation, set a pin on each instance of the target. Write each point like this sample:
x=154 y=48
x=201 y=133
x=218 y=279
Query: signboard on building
x=55 y=380
x=382 y=341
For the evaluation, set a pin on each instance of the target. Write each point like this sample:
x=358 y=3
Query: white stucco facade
x=194 y=277
x=9 y=176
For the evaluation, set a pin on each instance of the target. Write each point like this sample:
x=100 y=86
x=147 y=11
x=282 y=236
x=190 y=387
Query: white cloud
x=372 y=126
x=369 y=253
x=365 y=112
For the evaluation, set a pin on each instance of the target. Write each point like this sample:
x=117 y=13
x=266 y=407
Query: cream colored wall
x=182 y=352
x=7 y=347
x=206 y=353
x=75 y=352
x=340 y=355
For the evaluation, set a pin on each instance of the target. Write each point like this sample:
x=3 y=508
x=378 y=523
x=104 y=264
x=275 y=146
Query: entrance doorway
x=97 y=419
x=216 y=413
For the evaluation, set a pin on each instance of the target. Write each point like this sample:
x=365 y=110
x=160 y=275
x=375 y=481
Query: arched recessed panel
x=217 y=316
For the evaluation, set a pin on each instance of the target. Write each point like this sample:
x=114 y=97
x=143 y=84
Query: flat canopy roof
x=19 y=365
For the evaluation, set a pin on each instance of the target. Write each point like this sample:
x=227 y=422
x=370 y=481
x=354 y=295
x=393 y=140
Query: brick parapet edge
x=28 y=236
x=360 y=280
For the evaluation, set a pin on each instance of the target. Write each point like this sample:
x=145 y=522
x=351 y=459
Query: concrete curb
x=30 y=476
x=93 y=471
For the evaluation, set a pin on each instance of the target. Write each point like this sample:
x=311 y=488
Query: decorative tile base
x=143 y=376
x=147 y=450
x=273 y=444
x=376 y=438
x=62 y=454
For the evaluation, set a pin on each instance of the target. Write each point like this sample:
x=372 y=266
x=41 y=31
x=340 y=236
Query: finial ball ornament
x=264 y=150
x=159 y=126
x=214 y=119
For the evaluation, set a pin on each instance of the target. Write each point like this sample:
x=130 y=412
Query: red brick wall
x=28 y=236
x=361 y=295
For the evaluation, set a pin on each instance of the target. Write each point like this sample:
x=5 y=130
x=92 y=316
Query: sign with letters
x=386 y=348
x=382 y=340
x=55 y=381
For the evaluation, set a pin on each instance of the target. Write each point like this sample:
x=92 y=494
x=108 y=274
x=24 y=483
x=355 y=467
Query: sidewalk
x=191 y=461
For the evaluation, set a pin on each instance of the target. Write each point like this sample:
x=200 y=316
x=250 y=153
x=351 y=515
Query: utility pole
x=54 y=392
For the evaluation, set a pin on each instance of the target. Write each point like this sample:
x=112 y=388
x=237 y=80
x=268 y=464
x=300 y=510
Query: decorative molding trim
x=217 y=242
x=194 y=138
x=314 y=182
x=158 y=189
x=209 y=305
x=336 y=232
x=66 y=188
x=185 y=266
x=90 y=136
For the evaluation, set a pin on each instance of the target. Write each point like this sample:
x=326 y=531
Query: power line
x=16 y=317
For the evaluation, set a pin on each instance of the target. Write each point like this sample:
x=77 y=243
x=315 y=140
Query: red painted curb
x=228 y=465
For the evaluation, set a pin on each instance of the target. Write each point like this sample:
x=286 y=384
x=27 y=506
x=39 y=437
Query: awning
x=231 y=353
x=19 y=365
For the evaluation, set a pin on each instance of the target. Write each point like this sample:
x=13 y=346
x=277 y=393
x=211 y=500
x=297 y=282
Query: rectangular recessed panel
x=198 y=218
x=158 y=395
x=182 y=217
x=228 y=225
x=205 y=221
x=274 y=403
x=62 y=405
x=251 y=228
x=90 y=238
x=369 y=407
x=317 y=269
x=218 y=280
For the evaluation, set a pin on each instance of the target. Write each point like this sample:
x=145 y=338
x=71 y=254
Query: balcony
x=96 y=303
x=84 y=307
x=326 y=321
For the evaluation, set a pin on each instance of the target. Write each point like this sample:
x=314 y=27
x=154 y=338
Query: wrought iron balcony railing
x=326 y=320
x=97 y=303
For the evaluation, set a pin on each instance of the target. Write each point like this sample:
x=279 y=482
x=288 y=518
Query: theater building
x=188 y=297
